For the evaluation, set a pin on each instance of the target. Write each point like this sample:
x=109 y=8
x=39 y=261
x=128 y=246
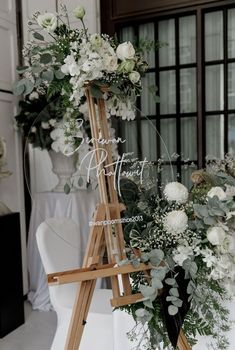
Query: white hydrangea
x=175 y=222
x=217 y=191
x=175 y=191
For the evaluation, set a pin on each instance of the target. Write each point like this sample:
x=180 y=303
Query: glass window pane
x=146 y=32
x=166 y=30
x=231 y=134
x=168 y=138
x=231 y=86
x=188 y=90
x=148 y=104
x=167 y=92
x=127 y=34
x=189 y=138
x=215 y=136
x=214 y=36
x=168 y=174
x=231 y=33
x=187 y=32
x=149 y=140
x=130 y=136
x=214 y=87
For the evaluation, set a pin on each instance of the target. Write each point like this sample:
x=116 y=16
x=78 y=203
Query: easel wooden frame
x=102 y=238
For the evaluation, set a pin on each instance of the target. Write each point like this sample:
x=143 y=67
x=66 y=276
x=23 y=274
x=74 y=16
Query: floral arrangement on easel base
x=189 y=238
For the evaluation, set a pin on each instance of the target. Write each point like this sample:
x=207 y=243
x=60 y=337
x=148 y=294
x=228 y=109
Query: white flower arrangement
x=189 y=238
x=57 y=71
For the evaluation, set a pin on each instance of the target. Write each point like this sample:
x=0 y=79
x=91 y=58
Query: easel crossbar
x=94 y=272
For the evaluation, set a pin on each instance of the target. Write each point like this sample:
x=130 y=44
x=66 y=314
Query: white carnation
x=175 y=191
x=217 y=191
x=216 y=235
x=175 y=222
x=48 y=21
x=125 y=51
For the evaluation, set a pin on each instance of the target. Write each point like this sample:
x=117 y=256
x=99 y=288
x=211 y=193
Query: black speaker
x=11 y=283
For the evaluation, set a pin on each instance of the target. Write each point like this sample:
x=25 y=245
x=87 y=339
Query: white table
x=79 y=206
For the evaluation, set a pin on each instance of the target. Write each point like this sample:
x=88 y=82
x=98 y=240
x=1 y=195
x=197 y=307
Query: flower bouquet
x=189 y=239
x=59 y=63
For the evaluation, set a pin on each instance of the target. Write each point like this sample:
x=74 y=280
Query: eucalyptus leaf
x=28 y=87
x=67 y=188
x=210 y=221
x=22 y=69
x=38 y=36
x=47 y=75
x=156 y=283
x=135 y=263
x=172 y=310
x=174 y=292
x=178 y=302
x=45 y=58
x=156 y=256
x=80 y=181
x=36 y=69
x=18 y=89
x=170 y=281
x=147 y=291
x=59 y=74
x=171 y=298
x=148 y=303
x=193 y=269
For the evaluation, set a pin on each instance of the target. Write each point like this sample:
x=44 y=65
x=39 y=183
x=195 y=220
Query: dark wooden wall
x=115 y=12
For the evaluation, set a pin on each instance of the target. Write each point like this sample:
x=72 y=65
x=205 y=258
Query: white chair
x=59 y=247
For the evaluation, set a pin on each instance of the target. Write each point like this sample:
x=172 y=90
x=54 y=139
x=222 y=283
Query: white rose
x=48 y=21
x=79 y=12
x=216 y=235
x=125 y=51
x=217 y=191
x=134 y=77
x=110 y=63
x=175 y=222
x=175 y=191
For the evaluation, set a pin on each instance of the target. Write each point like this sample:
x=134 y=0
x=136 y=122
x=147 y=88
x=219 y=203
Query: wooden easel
x=102 y=238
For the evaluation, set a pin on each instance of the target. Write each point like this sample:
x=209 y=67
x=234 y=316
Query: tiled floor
x=36 y=334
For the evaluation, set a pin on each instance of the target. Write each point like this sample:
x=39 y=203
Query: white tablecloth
x=79 y=206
